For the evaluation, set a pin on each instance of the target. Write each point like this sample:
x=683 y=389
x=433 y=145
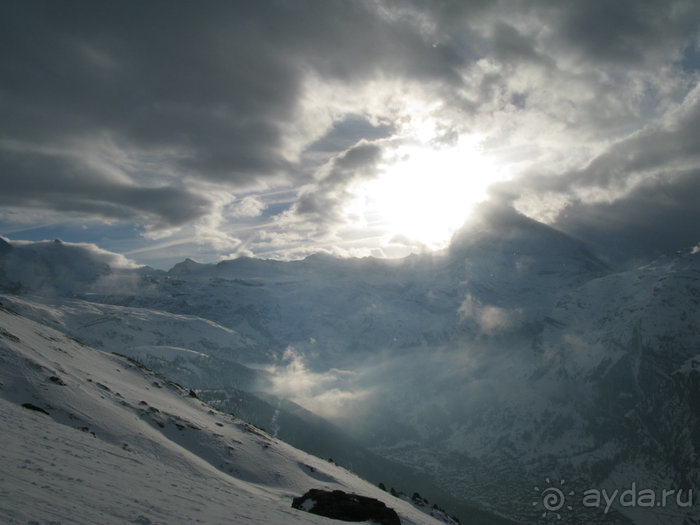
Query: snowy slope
x=512 y=357
x=111 y=327
x=114 y=443
x=195 y=351
x=604 y=394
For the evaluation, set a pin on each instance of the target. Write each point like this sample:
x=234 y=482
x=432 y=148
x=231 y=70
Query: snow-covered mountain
x=514 y=357
x=90 y=437
x=604 y=394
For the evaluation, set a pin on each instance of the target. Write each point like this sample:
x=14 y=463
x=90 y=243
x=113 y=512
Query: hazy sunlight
x=425 y=192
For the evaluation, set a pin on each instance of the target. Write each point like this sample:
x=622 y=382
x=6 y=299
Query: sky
x=277 y=129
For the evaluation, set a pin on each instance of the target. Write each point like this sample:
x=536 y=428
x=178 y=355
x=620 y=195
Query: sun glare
x=425 y=193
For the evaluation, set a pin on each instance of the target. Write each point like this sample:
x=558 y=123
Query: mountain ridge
x=106 y=435
x=515 y=356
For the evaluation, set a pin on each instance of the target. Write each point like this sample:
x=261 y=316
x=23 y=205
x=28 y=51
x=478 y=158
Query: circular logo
x=552 y=499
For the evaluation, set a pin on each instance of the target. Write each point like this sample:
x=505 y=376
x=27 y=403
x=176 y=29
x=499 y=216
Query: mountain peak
x=496 y=232
x=186 y=266
x=496 y=220
x=4 y=246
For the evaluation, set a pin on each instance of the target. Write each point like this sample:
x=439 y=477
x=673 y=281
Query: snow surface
x=514 y=356
x=122 y=445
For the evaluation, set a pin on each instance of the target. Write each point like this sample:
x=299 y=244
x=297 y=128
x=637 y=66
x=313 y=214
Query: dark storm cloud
x=591 y=39
x=155 y=112
x=157 y=75
x=509 y=45
x=625 y=32
x=653 y=219
x=352 y=163
x=659 y=147
x=323 y=201
x=33 y=180
x=211 y=85
x=350 y=131
x=637 y=198
x=619 y=33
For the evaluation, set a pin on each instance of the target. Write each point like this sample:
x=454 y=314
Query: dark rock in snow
x=57 y=380
x=31 y=406
x=346 y=507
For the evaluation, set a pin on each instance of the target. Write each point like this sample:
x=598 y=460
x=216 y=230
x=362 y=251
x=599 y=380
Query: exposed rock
x=346 y=507
x=57 y=380
x=31 y=406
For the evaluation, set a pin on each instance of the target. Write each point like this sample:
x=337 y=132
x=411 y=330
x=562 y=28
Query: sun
x=425 y=192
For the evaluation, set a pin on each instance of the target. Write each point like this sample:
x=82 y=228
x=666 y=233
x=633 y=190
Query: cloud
x=626 y=32
x=217 y=85
x=654 y=218
x=323 y=201
x=511 y=46
x=489 y=318
x=247 y=207
x=123 y=112
x=57 y=267
x=147 y=114
x=320 y=208
x=58 y=250
x=636 y=198
x=668 y=145
x=329 y=394
x=75 y=178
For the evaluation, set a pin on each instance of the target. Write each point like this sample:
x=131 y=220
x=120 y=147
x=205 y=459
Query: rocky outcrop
x=340 y=505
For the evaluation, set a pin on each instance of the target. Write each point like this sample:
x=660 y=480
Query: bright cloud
x=489 y=318
x=424 y=193
x=354 y=127
x=329 y=394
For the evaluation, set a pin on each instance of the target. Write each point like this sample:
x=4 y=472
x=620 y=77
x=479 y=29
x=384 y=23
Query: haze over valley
x=395 y=261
